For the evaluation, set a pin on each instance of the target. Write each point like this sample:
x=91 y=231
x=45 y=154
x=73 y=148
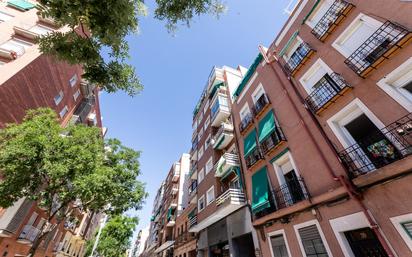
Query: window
x=58 y=98
x=311 y=241
x=258 y=93
x=201 y=203
x=16 y=45
x=73 y=80
x=403 y=224
x=210 y=195
x=398 y=84
x=40 y=29
x=5 y=16
x=194 y=126
x=244 y=112
x=200 y=175
x=64 y=111
x=206 y=107
x=209 y=165
x=207 y=142
x=200 y=152
x=355 y=34
x=292 y=48
x=207 y=122
x=314 y=74
x=76 y=95
x=199 y=120
x=319 y=12
x=200 y=134
x=278 y=244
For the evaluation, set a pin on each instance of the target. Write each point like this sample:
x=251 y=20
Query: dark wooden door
x=364 y=243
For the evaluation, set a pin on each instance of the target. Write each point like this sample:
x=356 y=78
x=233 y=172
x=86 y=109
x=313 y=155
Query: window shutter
x=279 y=246
x=408 y=228
x=18 y=218
x=312 y=242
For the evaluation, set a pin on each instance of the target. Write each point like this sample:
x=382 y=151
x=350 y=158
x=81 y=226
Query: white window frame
x=200 y=152
x=73 y=80
x=244 y=111
x=391 y=84
x=212 y=197
x=286 y=157
x=310 y=21
x=76 y=95
x=353 y=26
x=206 y=107
x=207 y=141
x=202 y=198
x=350 y=112
x=194 y=125
x=322 y=236
x=63 y=111
x=319 y=64
x=259 y=91
x=277 y=233
x=396 y=221
x=209 y=165
x=200 y=134
x=22 y=45
x=292 y=48
x=200 y=118
x=207 y=122
x=5 y=16
x=58 y=98
x=246 y=88
x=200 y=176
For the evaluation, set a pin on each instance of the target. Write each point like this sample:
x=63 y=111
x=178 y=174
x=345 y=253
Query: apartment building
x=221 y=219
x=30 y=80
x=323 y=122
x=140 y=243
x=173 y=203
x=185 y=241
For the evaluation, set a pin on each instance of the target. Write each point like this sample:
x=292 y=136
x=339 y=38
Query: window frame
x=65 y=109
x=397 y=223
x=209 y=201
x=322 y=236
x=258 y=92
x=58 y=98
x=319 y=64
x=76 y=95
x=244 y=111
x=201 y=198
x=199 y=180
x=207 y=165
x=310 y=21
x=277 y=233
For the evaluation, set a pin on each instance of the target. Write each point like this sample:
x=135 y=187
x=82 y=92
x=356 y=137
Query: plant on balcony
x=115 y=237
x=72 y=166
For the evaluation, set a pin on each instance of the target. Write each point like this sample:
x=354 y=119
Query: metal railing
x=332 y=18
x=193 y=187
x=245 y=122
x=235 y=196
x=260 y=104
x=325 y=91
x=253 y=157
x=274 y=139
x=290 y=193
x=29 y=233
x=193 y=221
x=380 y=148
x=378 y=47
x=224 y=127
x=83 y=110
x=298 y=58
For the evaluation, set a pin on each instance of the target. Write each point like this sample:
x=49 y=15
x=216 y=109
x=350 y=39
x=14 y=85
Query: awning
x=214 y=89
x=260 y=194
x=289 y=43
x=311 y=11
x=169 y=213
x=249 y=143
x=21 y=4
x=266 y=126
x=164 y=246
x=152 y=218
x=248 y=75
x=219 y=168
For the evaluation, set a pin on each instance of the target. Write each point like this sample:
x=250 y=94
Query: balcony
x=193 y=171
x=175 y=190
x=223 y=136
x=253 y=157
x=380 y=148
x=192 y=221
x=261 y=105
x=83 y=110
x=28 y=234
x=226 y=163
x=176 y=172
x=326 y=91
x=298 y=58
x=381 y=45
x=231 y=199
x=219 y=111
x=332 y=18
x=245 y=123
x=272 y=141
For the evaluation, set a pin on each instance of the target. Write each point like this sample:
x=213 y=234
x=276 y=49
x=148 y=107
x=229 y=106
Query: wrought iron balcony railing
x=382 y=44
x=298 y=58
x=261 y=104
x=380 y=148
x=272 y=141
x=253 y=157
x=245 y=122
x=328 y=88
x=332 y=18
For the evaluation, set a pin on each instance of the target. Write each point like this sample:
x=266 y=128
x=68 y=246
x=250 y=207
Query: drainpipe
x=350 y=189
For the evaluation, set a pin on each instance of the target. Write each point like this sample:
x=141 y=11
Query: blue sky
x=174 y=70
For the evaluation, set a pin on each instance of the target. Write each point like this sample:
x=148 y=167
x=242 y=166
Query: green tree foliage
x=115 y=237
x=66 y=168
x=101 y=26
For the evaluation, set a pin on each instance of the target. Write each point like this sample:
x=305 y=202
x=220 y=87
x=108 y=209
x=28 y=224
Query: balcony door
x=372 y=142
x=364 y=243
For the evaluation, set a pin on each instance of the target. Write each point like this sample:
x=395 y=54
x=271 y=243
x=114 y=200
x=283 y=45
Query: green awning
x=21 y=4
x=169 y=213
x=260 y=194
x=192 y=213
x=289 y=43
x=152 y=218
x=214 y=89
x=266 y=126
x=249 y=143
x=310 y=12
x=248 y=75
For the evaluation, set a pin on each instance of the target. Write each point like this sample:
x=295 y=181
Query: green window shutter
x=169 y=213
x=266 y=126
x=249 y=143
x=21 y=4
x=192 y=213
x=311 y=11
x=260 y=193
x=289 y=43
